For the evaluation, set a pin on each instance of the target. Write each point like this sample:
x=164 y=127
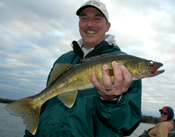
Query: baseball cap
x=96 y=4
x=164 y=110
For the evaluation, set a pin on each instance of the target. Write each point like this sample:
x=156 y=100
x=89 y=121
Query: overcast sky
x=33 y=34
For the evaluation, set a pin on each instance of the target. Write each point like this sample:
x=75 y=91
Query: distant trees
x=151 y=119
x=2 y=100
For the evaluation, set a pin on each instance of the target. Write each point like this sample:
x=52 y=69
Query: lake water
x=12 y=126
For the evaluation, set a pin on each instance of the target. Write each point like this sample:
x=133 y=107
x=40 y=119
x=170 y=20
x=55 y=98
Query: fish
x=67 y=79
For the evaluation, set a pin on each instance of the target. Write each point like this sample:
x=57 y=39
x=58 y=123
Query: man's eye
x=97 y=18
x=83 y=18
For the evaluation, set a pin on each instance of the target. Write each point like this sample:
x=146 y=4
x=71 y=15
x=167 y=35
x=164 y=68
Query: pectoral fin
x=68 y=98
x=110 y=72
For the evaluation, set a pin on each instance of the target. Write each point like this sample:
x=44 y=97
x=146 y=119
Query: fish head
x=149 y=68
x=141 y=68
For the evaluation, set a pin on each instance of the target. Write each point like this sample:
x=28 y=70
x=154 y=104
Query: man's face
x=92 y=27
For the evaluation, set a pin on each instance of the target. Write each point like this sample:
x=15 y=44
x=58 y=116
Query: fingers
x=122 y=78
x=95 y=82
x=118 y=76
x=127 y=78
x=106 y=78
x=122 y=81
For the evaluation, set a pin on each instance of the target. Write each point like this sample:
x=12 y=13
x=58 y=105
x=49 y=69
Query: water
x=12 y=126
x=140 y=129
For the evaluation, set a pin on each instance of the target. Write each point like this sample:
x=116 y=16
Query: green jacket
x=90 y=116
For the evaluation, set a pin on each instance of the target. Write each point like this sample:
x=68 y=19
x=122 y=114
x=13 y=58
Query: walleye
x=67 y=79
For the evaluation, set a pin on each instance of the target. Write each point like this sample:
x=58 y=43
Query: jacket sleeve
x=122 y=115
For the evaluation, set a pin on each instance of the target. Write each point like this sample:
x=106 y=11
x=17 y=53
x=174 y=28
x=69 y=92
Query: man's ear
x=108 y=26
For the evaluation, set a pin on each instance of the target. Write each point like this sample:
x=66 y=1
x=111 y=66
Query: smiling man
x=92 y=26
x=111 y=109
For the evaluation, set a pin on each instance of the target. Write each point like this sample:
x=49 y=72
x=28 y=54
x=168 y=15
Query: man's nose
x=90 y=22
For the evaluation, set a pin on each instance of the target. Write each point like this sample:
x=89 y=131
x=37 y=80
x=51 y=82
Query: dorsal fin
x=94 y=57
x=58 y=70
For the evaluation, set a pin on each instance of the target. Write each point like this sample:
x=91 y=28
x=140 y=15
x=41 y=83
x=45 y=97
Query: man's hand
x=122 y=81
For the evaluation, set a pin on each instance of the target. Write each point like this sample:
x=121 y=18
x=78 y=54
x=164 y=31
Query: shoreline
x=3 y=100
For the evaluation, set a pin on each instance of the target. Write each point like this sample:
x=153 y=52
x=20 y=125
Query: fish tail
x=28 y=109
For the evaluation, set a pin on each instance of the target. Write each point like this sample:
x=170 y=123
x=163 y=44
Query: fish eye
x=150 y=63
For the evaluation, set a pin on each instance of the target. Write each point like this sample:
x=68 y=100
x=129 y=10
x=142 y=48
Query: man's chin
x=90 y=40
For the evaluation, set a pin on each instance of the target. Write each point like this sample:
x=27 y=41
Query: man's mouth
x=90 y=32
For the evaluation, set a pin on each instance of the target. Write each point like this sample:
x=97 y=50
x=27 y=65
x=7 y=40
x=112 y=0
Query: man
x=108 y=110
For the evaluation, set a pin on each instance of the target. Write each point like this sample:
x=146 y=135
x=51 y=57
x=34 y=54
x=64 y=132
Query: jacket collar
x=108 y=38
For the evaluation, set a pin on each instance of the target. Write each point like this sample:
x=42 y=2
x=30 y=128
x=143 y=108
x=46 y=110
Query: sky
x=33 y=34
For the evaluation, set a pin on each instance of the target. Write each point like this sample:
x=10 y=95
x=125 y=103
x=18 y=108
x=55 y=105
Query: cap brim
x=164 y=110
x=87 y=6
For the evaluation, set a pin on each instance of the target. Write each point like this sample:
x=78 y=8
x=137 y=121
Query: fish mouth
x=155 y=70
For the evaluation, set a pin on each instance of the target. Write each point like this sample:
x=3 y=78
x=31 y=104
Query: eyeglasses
x=161 y=112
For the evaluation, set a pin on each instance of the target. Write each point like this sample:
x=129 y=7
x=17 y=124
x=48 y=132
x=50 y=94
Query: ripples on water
x=12 y=126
